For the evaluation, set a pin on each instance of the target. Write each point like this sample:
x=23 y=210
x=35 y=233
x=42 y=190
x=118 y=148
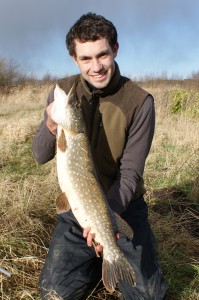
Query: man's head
x=90 y=27
x=92 y=44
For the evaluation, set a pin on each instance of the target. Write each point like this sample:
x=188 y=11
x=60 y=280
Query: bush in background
x=11 y=73
x=184 y=100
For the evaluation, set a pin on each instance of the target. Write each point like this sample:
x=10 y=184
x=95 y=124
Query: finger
x=90 y=240
x=99 y=248
x=86 y=231
x=51 y=125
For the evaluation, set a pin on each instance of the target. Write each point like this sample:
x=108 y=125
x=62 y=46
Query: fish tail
x=113 y=271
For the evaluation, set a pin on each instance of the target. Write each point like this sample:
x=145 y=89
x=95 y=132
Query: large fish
x=82 y=191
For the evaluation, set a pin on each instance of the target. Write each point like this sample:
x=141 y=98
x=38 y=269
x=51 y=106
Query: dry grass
x=27 y=193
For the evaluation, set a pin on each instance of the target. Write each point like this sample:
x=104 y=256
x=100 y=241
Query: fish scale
x=82 y=191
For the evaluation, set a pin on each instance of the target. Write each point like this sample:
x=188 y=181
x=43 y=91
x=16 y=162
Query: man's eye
x=85 y=59
x=104 y=55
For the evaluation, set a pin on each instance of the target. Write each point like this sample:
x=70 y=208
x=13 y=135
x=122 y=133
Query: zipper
x=93 y=104
x=100 y=124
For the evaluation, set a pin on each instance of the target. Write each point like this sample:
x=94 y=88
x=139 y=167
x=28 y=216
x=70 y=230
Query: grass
x=173 y=193
x=28 y=193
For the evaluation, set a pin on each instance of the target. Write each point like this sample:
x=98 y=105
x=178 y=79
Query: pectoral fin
x=62 y=204
x=123 y=227
x=61 y=141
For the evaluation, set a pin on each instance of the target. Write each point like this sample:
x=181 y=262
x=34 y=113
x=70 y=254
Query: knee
x=47 y=287
x=50 y=289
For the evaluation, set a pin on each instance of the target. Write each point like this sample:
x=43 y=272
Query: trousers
x=71 y=269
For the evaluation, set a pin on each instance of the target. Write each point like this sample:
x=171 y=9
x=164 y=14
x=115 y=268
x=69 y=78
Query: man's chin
x=99 y=84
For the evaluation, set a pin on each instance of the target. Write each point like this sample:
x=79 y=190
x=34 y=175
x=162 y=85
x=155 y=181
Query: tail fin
x=115 y=270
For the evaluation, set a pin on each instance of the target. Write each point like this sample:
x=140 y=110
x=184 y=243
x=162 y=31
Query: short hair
x=90 y=27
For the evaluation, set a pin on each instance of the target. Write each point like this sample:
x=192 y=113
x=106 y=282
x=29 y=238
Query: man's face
x=96 y=61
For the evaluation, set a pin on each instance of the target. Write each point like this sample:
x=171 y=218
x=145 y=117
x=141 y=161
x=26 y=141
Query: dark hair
x=90 y=27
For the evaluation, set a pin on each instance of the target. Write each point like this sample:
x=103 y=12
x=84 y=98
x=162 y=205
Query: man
x=119 y=118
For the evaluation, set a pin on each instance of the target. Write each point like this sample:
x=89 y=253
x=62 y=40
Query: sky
x=156 y=37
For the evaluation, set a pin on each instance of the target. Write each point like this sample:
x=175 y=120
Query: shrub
x=186 y=101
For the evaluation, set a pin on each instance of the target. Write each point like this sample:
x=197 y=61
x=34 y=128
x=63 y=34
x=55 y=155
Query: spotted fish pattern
x=82 y=192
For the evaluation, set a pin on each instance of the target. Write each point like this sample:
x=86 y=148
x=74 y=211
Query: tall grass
x=28 y=192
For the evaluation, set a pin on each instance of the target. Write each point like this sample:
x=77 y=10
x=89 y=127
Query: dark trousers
x=72 y=270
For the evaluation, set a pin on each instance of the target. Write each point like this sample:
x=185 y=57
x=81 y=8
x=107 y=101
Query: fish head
x=66 y=110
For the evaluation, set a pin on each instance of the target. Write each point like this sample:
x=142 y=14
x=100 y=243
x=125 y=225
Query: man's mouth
x=98 y=76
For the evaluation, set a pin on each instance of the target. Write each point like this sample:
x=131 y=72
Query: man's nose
x=96 y=65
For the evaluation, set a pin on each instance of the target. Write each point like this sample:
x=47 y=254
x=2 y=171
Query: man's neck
x=109 y=88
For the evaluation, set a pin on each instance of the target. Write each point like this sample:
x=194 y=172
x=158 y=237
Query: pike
x=81 y=190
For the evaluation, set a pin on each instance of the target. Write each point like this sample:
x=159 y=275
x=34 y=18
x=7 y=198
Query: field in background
x=28 y=191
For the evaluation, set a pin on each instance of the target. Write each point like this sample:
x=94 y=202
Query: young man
x=120 y=119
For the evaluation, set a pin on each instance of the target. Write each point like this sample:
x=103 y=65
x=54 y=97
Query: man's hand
x=90 y=240
x=52 y=126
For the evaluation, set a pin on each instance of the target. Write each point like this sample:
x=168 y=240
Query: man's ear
x=115 y=49
x=74 y=58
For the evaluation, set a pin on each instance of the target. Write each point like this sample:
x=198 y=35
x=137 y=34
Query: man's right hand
x=52 y=126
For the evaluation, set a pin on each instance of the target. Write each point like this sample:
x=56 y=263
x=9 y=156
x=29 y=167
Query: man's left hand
x=90 y=240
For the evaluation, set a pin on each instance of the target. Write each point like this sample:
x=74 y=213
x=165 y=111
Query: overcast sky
x=156 y=37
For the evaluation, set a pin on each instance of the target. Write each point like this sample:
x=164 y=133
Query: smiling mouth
x=98 y=76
